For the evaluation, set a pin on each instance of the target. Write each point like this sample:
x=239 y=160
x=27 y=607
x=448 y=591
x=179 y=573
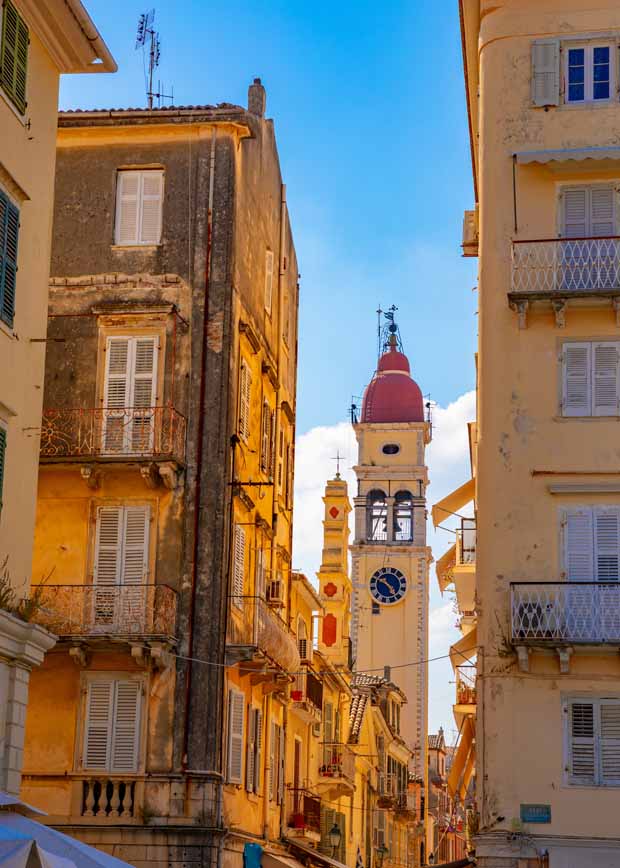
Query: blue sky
x=369 y=110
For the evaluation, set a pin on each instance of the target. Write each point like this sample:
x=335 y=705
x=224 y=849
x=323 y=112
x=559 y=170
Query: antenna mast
x=148 y=34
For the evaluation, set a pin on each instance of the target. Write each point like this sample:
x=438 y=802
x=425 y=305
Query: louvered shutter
x=98 y=725
x=245 y=385
x=576 y=379
x=602 y=211
x=607 y=542
x=281 y=766
x=236 y=707
x=272 y=759
x=2 y=460
x=134 y=568
x=238 y=565
x=258 y=739
x=108 y=565
x=9 y=234
x=609 y=742
x=14 y=56
x=127 y=207
x=582 y=768
x=126 y=726
x=578 y=545
x=250 y=751
x=265 y=456
x=575 y=212
x=142 y=392
x=268 y=280
x=117 y=394
x=605 y=386
x=545 y=83
x=151 y=200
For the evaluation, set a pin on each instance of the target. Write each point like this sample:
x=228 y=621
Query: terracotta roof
x=364 y=679
x=391 y=395
x=359 y=702
x=436 y=741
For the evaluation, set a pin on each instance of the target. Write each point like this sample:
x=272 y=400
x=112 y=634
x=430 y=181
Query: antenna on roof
x=147 y=38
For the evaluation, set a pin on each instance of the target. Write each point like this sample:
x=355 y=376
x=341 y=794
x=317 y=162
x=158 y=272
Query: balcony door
x=592 y=260
x=129 y=395
x=121 y=569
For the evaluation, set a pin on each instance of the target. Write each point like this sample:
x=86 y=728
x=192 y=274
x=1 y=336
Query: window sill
x=598 y=104
x=135 y=246
x=586 y=418
x=9 y=102
x=8 y=331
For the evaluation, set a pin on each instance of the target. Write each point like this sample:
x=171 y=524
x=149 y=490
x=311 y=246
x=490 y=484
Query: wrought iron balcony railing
x=466 y=684
x=255 y=624
x=566 y=612
x=338 y=761
x=130 y=432
x=303 y=811
x=107 y=610
x=466 y=542
x=570 y=266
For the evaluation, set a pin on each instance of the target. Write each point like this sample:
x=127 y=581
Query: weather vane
x=386 y=327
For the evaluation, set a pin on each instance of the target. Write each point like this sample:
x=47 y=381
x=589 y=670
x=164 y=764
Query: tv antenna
x=147 y=38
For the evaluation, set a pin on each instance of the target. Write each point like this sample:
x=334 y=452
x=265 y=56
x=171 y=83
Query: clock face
x=388 y=585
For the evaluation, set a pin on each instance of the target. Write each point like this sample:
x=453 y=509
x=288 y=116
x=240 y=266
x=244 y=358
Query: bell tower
x=390 y=557
x=334 y=582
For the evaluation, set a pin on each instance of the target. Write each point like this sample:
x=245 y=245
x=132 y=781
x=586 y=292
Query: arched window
x=377 y=515
x=403 y=516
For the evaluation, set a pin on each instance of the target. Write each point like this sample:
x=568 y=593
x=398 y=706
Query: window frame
x=4 y=439
x=87 y=679
x=19 y=106
x=268 y=286
x=141 y=173
x=10 y=207
x=588 y=47
x=245 y=401
x=570 y=780
x=596 y=411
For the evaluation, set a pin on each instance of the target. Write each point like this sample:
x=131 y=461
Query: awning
x=468 y=771
x=461 y=756
x=8 y=801
x=460 y=863
x=273 y=860
x=453 y=502
x=317 y=857
x=444 y=567
x=465 y=650
x=563 y=155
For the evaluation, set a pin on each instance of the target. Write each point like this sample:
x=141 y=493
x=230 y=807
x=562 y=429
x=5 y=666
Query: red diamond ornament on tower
x=330 y=589
x=334 y=511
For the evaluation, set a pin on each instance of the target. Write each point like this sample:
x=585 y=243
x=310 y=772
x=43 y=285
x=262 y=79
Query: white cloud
x=448 y=461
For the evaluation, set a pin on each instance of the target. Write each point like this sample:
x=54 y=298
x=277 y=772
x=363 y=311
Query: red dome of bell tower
x=392 y=395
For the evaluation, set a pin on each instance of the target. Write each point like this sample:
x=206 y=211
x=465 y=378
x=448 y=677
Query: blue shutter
x=9 y=231
x=2 y=454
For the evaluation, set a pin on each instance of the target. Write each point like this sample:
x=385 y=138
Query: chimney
x=257 y=98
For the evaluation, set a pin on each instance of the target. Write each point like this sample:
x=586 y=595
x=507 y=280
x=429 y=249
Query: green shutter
x=2 y=454
x=14 y=55
x=9 y=231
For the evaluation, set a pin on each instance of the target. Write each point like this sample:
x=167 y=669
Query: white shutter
x=265 y=452
x=238 y=566
x=126 y=728
x=268 y=279
x=245 y=387
x=127 y=207
x=250 y=751
x=281 y=766
x=545 y=84
x=259 y=581
x=576 y=379
x=236 y=708
x=152 y=182
x=582 y=740
x=258 y=739
x=98 y=725
x=578 y=545
x=576 y=212
x=607 y=540
x=605 y=370
x=272 y=759
x=609 y=741
x=135 y=545
x=107 y=565
x=143 y=380
x=602 y=216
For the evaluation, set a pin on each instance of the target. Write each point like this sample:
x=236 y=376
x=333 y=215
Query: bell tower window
x=403 y=516
x=377 y=512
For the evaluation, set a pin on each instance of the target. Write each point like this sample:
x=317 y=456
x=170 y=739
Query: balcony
x=307 y=696
x=388 y=790
x=337 y=772
x=303 y=815
x=560 y=269
x=464 y=568
x=465 y=692
x=111 y=435
x=563 y=614
x=466 y=543
x=261 y=640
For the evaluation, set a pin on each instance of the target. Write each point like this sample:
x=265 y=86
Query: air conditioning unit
x=470 y=233
x=305 y=650
x=534 y=621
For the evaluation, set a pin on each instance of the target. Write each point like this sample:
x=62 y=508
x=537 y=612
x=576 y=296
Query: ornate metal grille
x=578 y=612
x=570 y=265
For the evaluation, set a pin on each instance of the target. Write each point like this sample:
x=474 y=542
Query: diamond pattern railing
x=570 y=265
x=576 y=612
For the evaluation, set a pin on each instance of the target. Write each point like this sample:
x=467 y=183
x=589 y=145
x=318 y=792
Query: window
x=593 y=741
x=588 y=73
x=245 y=395
x=139 y=197
x=112 y=727
x=277 y=757
x=592 y=543
x=588 y=212
x=403 y=516
x=286 y=315
x=9 y=232
x=236 y=729
x=129 y=394
x=14 y=56
x=268 y=279
x=253 y=760
x=238 y=566
x=266 y=439
x=376 y=515
x=304 y=646
x=390 y=449
x=2 y=459
x=591 y=378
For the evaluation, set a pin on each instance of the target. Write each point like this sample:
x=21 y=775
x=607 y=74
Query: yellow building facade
x=542 y=96
x=38 y=43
